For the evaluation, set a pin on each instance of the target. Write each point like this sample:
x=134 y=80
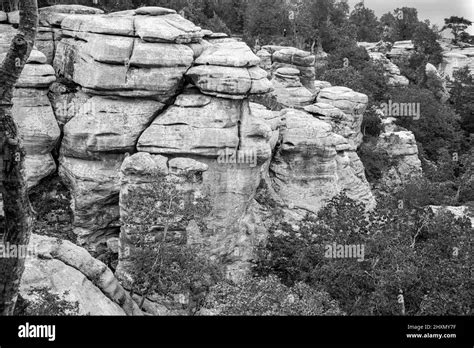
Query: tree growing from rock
x=17 y=208
x=458 y=26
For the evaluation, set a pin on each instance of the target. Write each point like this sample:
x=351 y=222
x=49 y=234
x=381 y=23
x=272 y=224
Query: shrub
x=407 y=250
x=163 y=260
x=46 y=304
x=438 y=127
x=269 y=297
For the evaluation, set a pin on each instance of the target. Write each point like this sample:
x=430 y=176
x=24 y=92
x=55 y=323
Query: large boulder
x=105 y=125
x=94 y=187
x=353 y=104
x=70 y=272
x=313 y=165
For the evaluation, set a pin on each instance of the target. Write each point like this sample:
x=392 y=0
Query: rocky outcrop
x=289 y=90
x=292 y=73
x=401 y=49
x=313 y=165
x=455 y=58
x=401 y=148
x=64 y=269
x=392 y=71
x=351 y=104
x=436 y=83
x=462 y=212
x=146 y=104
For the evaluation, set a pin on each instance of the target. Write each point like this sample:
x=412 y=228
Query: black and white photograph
x=236 y=163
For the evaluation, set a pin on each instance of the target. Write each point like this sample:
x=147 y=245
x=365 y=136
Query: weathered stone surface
x=436 y=83
x=313 y=165
x=401 y=148
x=94 y=187
x=13 y=17
x=34 y=116
x=154 y=11
x=38 y=167
x=221 y=81
x=401 y=48
x=352 y=104
x=166 y=28
x=391 y=70
x=289 y=90
x=161 y=55
x=455 y=60
x=260 y=82
x=35 y=76
x=66 y=104
x=265 y=59
x=101 y=24
x=37 y=57
x=7 y=32
x=107 y=126
x=71 y=272
x=3 y=17
x=160 y=83
x=232 y=54
x=195 y=129
x=294 y=56
x=54 y=15
x=343 y=124
x=108 y=48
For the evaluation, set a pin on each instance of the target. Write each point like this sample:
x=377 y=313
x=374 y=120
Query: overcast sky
x=434 y=10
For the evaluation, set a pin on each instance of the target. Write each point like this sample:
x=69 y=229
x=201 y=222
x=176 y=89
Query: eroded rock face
x=313 y=165
x=70 y=272
x=353 y=105
x=392 y=71
x=130 y=124
x=401 y=148
x=94 y=187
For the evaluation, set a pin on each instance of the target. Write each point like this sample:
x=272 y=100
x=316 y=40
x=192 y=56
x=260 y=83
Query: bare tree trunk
x=17 y=208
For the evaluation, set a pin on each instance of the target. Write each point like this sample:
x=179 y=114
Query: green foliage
x=425 y=42
x=217 y=25
x=370 y=80
x=269 y=297
x=438 y=126
x=458 y=26
x=462 y=100
x=408 y=250
x=367 y=24
x=162 y=259
x=371 y=124
x=401 y=24
x=264 y=19
x=46 y=304
x=376 y=162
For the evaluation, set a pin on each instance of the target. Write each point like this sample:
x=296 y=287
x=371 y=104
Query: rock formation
x=145 y=98
x=66 y=270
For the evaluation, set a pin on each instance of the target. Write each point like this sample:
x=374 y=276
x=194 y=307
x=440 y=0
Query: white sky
x=434 y=10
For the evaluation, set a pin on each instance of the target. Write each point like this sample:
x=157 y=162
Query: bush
x=376 y=162
x=269 y=297
x=370 y=80
x=163 y=261
x=406 y=250
x=438 y=127
x=47 y=304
